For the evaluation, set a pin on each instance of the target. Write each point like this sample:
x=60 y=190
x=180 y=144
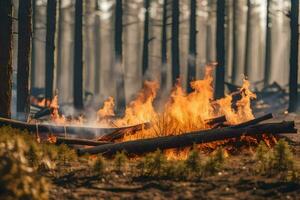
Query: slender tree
x=32 y=72
x=119 y=71
x=234 y=42
x=268 y=46
x=97 y=49
x=220 y=72
x=50 y=48
x=164 y=46
x=59 y=42
x=293 y=82
x=24 y=57
x=78 y=57
x=146 y=38
x=248 y=39
x=175 y=42
x=5 y=57
x=192 y=45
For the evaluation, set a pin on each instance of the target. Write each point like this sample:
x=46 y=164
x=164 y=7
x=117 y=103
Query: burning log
x=73 y=141
x=168 y=142
x=42 y=113
x=215 y=122
x=86 y=131
x=254 y=121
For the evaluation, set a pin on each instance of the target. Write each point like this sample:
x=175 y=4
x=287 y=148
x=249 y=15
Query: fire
x=107 y=110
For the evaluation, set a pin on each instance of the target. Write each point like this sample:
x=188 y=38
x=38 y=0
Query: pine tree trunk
x=59 y=44
x=5 y=57
x=78 y=57
x=119 y=71
x=293 y=83
x=24 y=58
x=175 y=42
x=32 y=72
x=267 y=73
x=50 y=48
x=192 y=45
x=164 y=47
x=248 y=39
x=97 y=56
x=235 y=42
x=220 y=71
x=145 y=62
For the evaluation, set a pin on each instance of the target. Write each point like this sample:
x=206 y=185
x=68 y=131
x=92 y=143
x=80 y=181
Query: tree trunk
x=235 y=42
x=142 y=146
x=32 y=72
x=24 y=50
x=220 y=71
x=5 y=57
x=192 y=45
x=293 y=82
x=97 y=56
x=50 y=48
x=267 y=73
x=60 y=45
x=163 y=81
x=248 y=39
x=146 y=39
x=175 y=42
x=78 y=57
x=119 y=68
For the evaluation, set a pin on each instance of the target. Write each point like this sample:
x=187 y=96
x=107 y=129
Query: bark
x=267 y=72
x=32 y=72
x=248 y=39
x=78 y=57
x=145 y=61
x=198 y=137
x=164 y=46
x=86 y=131
x=73 y=141
x=24 y=58
x=60 y=44
x=235 y=42
x=293 y=81
x=220 y=71
x=5 y=57
x=192 y=45
x=50 y=48
x=97 y=56
x=119 y=71
x=254 y=121
x=175 y=42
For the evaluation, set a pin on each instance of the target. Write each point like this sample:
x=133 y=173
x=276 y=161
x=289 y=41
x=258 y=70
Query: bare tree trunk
x=293 y=82
x=32 y=72
x=119 y=68
x=268 y=54
x=175 y=42
x=59 y=44
x=50 y=48
x=164 y=47
x=220 y=72
x=78 y=57
x=235 y=42
x=97 y=56
x=24 y=50
x=192 y=45
x=248 y=39
x=5 y=57
x=145 y=61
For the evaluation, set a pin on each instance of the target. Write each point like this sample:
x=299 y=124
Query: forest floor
x=235 y=181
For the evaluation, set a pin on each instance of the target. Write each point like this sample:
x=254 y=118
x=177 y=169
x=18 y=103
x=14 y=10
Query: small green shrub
x=65 y=154
x=263 y=158
x=215 y=163
x=193 y=163
x=99 y=165
x=120 y=161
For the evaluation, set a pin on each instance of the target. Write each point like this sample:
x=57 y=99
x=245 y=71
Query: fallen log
x=73 y=141
x=168 y=142
x=216 y=121
x=42 y=113
x=254 y=121
x=87 y=132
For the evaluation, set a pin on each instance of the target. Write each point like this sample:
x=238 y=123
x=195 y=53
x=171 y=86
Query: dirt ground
x=235 y=181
